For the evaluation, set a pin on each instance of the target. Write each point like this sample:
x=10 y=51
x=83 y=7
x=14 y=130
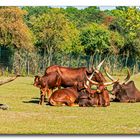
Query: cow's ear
x=37 y=77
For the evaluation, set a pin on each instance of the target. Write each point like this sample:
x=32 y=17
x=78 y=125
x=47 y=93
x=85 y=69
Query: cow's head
x=37 y=81
x=119 y=86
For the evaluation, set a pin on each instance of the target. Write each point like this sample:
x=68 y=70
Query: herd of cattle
x=77 y=83
x=77 y=86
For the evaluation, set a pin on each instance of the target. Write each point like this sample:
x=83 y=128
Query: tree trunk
x=126 y=58
x=69 y=60
x=78 y=61
x=50 y=55
x=44 y=57
x=8 y=80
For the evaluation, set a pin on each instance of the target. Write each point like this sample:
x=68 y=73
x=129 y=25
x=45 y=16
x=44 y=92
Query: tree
x=13 y=31
x=127 y=23
x=14 y=34
x=54 y=33
x=99 y=42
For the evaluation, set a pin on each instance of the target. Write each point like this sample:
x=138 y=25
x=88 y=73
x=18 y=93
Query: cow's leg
x=45 y=99
x=132 y=100
x=48 y=93
x=106 y=98
x=57 y=102
x=99 y=101
x=73 y=104
x=71 y=101
x=42 y=96
x=124 y=101
x=41 y=99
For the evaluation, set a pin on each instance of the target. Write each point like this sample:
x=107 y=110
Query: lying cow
x=45 y=83
x=66 y=96
x=98 y=97
x=125 y=91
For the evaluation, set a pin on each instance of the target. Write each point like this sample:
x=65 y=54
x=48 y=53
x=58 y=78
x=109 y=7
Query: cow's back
x=51 y=69
x=68 y=75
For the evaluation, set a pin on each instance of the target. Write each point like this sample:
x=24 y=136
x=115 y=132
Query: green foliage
x=69 y=36
x=13 y=31
x=95 y=38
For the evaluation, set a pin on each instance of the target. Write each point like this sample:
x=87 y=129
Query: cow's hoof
x=4 y=106
x=74 y=105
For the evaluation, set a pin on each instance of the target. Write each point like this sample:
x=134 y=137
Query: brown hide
x=45 y=83
x=71 y=75
x=66 y=96
x=97 y=97
x=126 y=92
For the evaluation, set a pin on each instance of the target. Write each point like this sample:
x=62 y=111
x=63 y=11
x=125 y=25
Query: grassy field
x=25 y=116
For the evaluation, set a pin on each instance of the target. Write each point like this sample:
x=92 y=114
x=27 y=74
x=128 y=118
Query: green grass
x=25 y=116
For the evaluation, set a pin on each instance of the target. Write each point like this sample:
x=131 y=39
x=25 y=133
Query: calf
x=47 y=82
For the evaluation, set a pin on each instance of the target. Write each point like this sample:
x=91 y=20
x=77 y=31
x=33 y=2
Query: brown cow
x=71 y=75
x=66 y=96
x=125 y=91
x=98 y=97
x=45 y=83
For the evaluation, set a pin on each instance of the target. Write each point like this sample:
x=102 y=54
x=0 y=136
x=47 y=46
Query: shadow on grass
x=36 y=101
x=31 y=101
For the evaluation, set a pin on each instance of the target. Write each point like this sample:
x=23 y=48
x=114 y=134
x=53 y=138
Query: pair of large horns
x=97 y=83
x=97 y=70
x=124 y=81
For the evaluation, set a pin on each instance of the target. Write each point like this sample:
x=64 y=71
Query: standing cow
x=71 y=75
x=45 y=83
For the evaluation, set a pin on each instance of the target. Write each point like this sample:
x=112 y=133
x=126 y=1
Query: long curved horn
x=127 y=77
x=85 y=86
x=93 y=68
x=87 y=83
x=110 y=83
x=99 y=66
x=93 y=82
x=8 y=80
x=109 y=76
